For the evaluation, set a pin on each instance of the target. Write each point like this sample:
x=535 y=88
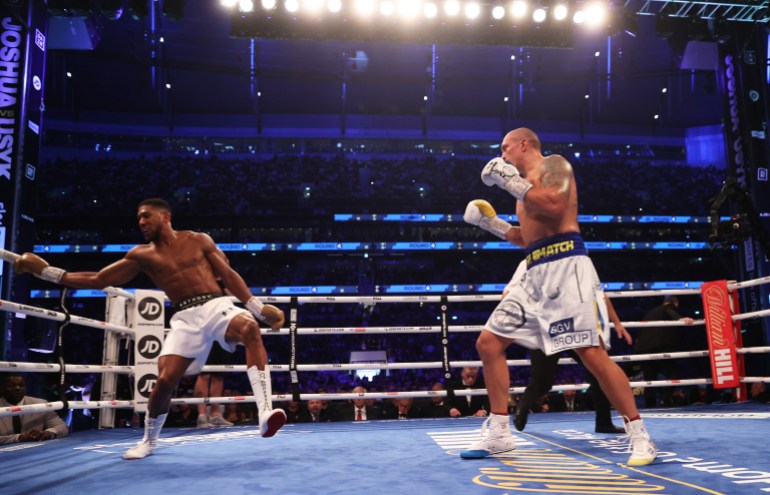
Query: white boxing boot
x=270 y=420
x=146 y=446
x=496 y=438
x=643 y=451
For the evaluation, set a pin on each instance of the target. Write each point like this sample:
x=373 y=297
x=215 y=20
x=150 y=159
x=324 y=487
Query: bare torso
x=536 y=226
x=180 y=268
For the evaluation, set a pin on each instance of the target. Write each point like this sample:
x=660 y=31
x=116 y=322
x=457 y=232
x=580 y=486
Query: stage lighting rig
x=427 y=21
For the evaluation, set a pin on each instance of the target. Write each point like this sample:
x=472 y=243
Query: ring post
x=148 y=313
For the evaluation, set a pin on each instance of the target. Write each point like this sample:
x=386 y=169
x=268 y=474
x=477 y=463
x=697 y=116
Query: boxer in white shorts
x=554 y=301
x=197 y=323
x=556 y=304
x=189 y=267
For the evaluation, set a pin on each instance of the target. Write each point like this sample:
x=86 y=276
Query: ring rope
x=438 y=328
x=748 y=283
x=754 y=314
x=48 y=314
x=48 y=406
x=71 y=368
x=90 y=368
x=652 y=292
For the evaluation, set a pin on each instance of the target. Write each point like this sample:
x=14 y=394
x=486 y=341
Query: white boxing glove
x=505 y=176
x=480 y=213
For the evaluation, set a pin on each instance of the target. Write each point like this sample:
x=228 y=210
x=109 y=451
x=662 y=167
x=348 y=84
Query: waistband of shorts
x=197 y=300
x=554 y=248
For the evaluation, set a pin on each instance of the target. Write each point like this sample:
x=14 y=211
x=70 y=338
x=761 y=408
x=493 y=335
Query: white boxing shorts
x=194 y=330
x=555 y=300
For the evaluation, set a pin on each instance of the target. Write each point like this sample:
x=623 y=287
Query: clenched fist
x=34 y=264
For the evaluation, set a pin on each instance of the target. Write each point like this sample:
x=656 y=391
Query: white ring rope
x=227 y=368
x=748 y=283
x=58 y=405
x=114 y=404
x=8 y=256
x=651 y=292
x=71 y=368
x=49 y=314
x=755 y=314
x=437 y=329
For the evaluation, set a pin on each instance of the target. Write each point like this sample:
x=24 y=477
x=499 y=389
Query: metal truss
x=748 y=11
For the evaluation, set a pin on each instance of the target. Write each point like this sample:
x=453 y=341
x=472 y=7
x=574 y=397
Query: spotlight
x=430 y=10
x=267 y=4
x=291 y=5
x=387 y=8
x=312 y=6
x=452 y=7
x=472 y=10
x=519 y=9
x=365 y=8
x=408 y=9
x=560 y=12
x=596 y=14
x=538 y=15
x=579 y=17
x=498 y=12
x=334 y=5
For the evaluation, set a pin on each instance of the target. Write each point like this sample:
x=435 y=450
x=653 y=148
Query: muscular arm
x=551 y=199
x=117 y=273
x=232 y=281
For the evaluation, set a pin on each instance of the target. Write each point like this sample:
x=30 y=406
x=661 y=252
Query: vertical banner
x=148 y=316
x=719 y=332
x=23 y=30
x=743 y=83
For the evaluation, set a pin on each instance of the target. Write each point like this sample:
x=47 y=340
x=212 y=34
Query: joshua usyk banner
x=23 y=30
x=743 y=83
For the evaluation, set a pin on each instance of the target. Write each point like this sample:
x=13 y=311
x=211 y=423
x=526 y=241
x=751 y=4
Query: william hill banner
x=719 y=331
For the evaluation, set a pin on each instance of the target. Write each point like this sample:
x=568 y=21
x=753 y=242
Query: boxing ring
x=718 y=449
